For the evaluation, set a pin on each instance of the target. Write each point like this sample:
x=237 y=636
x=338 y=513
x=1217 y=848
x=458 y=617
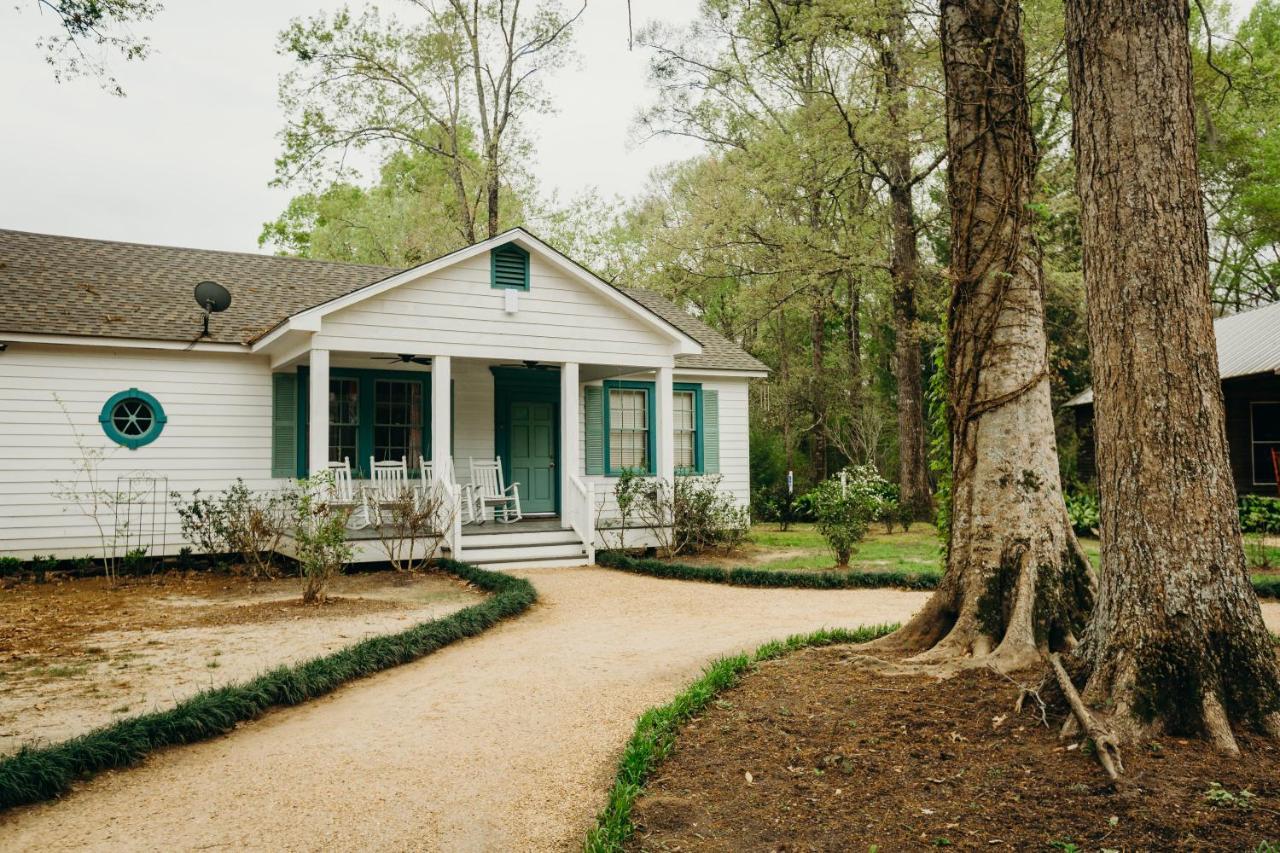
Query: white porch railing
x=580 y=511
x=451 y=496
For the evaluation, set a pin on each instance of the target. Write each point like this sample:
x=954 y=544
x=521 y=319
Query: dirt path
x=505 y=742
x=502 y=742
x=153 y=643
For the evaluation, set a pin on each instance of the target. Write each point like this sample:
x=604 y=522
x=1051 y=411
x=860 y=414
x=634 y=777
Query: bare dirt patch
x=811 y=753
x=77 y=654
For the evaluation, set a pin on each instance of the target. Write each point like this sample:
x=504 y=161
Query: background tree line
x=814 y=228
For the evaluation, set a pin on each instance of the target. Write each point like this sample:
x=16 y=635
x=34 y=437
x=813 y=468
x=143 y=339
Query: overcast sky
x=185 y=159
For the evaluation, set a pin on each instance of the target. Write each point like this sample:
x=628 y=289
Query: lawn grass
x=656 y=730
x=913 y=554
x=41 y=773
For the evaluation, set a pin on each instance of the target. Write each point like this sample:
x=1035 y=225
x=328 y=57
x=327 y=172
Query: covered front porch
x=448 y=412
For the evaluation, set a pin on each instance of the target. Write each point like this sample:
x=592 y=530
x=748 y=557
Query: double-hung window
x=1264 y=425
x=685 y=409
x=375 y=413
x=629 y=419
x=397 y=420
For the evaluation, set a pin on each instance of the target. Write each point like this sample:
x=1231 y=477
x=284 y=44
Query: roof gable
x=308 y=319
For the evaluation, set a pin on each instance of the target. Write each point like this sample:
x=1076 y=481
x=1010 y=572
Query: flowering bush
x=846 y=506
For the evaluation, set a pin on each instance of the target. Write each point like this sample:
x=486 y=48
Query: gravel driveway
x=503 y=742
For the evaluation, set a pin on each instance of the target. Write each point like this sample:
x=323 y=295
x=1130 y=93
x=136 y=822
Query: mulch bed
x=810 y=752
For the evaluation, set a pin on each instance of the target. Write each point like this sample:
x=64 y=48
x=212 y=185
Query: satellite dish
x=212 y=297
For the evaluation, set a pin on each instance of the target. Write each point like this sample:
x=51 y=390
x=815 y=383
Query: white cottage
x=504 y=350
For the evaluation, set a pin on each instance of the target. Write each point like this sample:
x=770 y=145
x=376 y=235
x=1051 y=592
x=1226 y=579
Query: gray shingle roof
x=718 y=352
x=1248 y=343
x=57 y=285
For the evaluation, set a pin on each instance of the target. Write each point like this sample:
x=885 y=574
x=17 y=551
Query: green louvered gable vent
x=509 y=267
x=284 y=425
x=710 y=431
x=594 y=410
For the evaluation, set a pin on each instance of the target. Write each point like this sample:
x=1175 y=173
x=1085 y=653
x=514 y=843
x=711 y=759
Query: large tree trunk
x=904 y=266
x=1016 y=584
x=913 y=460
x=1177 y=642
x=818 y=389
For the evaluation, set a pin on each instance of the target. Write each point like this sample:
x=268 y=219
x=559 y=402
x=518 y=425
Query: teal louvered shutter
x=710 y=432
x=284 y=425
x=594 y=410
x=509 y=267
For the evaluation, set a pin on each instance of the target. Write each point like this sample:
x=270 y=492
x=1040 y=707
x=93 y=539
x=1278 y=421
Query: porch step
x=514 y=538
x=559 y=563
x=487 y=557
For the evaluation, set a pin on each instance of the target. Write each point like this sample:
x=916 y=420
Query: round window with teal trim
x=132 y=418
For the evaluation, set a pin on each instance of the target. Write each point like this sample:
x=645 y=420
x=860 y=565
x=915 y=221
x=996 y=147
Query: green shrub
x=1082 y=509
x=846 y=506
x=319 y=534
x=10 y=566
x=237 y=521
x=41 y=566
x=1266 y=586
x=40 y=773
x=688 y=516
x=1259 y=514
x=136 y=562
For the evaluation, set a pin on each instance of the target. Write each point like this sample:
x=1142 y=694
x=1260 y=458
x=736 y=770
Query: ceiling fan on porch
x=530 y=364
x=403 y=358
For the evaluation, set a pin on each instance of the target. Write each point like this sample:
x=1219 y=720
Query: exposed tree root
x=1107 y=747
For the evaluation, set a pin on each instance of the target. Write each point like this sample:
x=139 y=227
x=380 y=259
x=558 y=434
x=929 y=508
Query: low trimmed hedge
x=40 y=773
x=1267 y=586
x=766 y=577
x=657 y=728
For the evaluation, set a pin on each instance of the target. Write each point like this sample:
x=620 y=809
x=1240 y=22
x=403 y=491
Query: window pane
x=684 y=450
x=1266 y=421
x=397 y=420
x=344 y=419
x=683 y=409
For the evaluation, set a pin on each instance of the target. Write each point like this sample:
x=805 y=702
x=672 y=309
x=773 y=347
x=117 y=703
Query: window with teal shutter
x=284 y=424
x=710 y=432
x=509 y=267
x=593 y=409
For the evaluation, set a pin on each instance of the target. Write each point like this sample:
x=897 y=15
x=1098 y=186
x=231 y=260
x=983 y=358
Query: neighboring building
x=513 y=351
x=1249 y=363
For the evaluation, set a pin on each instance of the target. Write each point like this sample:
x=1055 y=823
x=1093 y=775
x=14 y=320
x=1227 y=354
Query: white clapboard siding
x=473 y=418
x=735 y=451
x=219 y=427
x=456 y=312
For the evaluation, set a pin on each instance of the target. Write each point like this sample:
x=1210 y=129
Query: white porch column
x=666 y=421
x=441 y=414
x=318 y=413
x=569 y=459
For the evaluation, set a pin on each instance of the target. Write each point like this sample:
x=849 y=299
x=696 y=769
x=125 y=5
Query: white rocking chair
x=489 y=493
x=343 y=493
x=388 y=482
x=466 y=506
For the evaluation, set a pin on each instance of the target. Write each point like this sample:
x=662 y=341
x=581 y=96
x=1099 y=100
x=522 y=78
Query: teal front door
x=533 y=455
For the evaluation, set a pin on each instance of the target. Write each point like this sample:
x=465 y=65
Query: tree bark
x=904 y=265
x=1177 y=642
x=818 y=389
x=1015 y=586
